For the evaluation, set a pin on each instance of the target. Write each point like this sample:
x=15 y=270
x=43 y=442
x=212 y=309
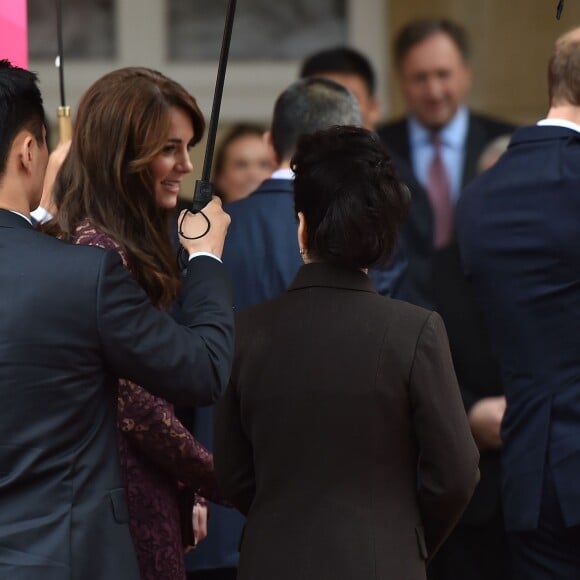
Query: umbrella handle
x=64 y=124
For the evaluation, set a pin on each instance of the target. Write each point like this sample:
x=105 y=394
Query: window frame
x=251 y=87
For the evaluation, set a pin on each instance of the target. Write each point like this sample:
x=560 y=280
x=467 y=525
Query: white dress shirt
x=286 y=173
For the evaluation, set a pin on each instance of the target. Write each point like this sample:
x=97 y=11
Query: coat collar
x=543 y=133
x=321 y=274
x=275 y=186
x=9 y=219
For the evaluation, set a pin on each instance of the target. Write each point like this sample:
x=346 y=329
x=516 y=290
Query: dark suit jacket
x=520 y=238
x=435 y=279
x=72 y=320
x=261 y=251
x=342 y=434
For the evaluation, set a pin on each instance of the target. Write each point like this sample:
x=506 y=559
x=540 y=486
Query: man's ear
x=26 y=151
x=267 y=138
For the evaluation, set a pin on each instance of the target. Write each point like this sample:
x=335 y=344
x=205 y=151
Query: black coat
x=72 y=320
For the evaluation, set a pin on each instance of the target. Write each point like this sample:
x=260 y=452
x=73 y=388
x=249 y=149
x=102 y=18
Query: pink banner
x=14 y=32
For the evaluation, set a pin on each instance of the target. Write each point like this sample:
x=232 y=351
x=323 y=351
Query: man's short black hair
x=417 y=31
x=20 y=108
x=341 y=60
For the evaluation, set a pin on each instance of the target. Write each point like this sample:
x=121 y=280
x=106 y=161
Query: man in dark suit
x=261 y=251
x=520 y=239
x=72 y=320
x=436 y=147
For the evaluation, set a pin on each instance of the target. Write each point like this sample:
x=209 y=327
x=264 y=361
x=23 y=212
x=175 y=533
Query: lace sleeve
x=152 y=427
x=86 y=234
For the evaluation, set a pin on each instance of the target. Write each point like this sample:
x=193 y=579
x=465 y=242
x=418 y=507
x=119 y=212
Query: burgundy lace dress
x=160 y=460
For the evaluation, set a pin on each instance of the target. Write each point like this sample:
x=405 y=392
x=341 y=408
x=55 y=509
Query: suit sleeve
x=187 y=363
x=448 y=457
x=233 y=455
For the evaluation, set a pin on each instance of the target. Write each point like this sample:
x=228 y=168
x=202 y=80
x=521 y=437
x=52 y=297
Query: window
x=88 y=29
x=263 y=29
x=182 y=38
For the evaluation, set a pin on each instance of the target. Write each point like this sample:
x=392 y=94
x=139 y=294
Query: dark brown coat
x=342 y=435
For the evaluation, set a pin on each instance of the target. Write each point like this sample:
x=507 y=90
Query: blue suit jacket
x=519 y=232
x=261 y=251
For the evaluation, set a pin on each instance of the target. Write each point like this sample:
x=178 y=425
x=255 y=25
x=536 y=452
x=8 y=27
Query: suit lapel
x=475 y=143
x=421 y=218
x=397 y=140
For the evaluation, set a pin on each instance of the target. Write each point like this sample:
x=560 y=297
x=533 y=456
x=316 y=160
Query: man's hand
x=55 y=162
x=194 y=225
x=485 y=419
x=199 y=519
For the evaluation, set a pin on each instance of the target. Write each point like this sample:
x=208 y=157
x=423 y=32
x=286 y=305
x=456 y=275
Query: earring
x=302 y=251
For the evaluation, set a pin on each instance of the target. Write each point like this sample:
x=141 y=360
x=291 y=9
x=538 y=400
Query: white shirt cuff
x=40 y=215
x=196 y=254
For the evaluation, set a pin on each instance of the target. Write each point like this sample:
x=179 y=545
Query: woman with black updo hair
x=342 y=435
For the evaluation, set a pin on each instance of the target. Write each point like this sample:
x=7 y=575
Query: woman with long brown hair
x=116 y=189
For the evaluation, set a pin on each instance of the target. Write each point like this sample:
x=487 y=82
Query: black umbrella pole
x=203 y=187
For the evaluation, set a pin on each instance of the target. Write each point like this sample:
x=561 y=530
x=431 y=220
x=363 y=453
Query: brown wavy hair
x=122 y=123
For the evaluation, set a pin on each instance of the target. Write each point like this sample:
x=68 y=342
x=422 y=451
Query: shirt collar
x=559 y=123
x=21 y=215
x=283 y=174
x=452 y=135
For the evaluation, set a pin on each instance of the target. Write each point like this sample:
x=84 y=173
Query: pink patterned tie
x=440 y=197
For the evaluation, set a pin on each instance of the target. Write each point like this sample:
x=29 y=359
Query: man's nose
x=434 y=88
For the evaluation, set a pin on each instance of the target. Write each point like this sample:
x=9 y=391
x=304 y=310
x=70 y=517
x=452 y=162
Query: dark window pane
x=263 y=29
x=88 y=29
